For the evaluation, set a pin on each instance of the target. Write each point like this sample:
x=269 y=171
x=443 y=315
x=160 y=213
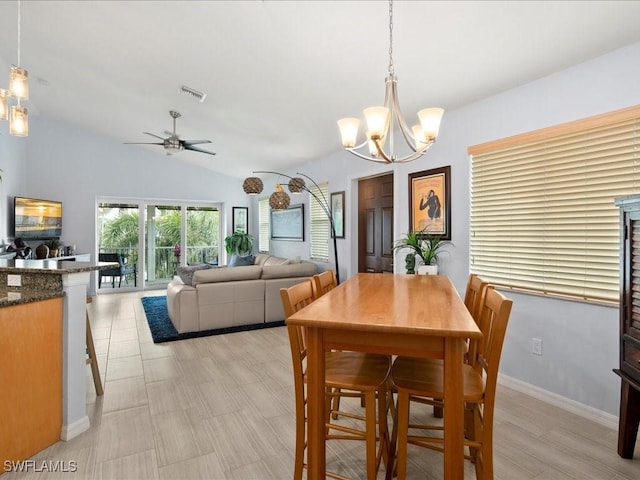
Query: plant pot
x=427 y=270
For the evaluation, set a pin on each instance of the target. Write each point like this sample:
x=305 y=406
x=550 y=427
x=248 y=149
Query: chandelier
x=19 y=90
x=382 y=120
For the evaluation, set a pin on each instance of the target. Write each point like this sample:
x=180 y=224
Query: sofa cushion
x=230 y=274
x=261 y=258
x=275 y=261
x=186 y=273
x=302 y=269
x=237 y=261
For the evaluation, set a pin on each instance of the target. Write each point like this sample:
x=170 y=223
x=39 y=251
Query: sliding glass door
x=173 y=234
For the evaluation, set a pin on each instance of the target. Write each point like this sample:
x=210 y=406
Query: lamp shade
x=296 y=185
x=19 y=83
x=18 y=121
x=279 y=200
x=418 y=136
x=4 y=106
x=430 y=119
x=377 y=121
x=349 y=131
x=252 y=185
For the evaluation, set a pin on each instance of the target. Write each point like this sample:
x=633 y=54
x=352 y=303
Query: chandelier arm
x=404 y=128
x=365 y=157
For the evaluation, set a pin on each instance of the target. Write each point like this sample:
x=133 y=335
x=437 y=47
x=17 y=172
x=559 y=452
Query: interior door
x=375 y=224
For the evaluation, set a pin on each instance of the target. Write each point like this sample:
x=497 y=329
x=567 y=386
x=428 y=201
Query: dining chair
x=347 y=374
x=324 y=282
x=414 y=378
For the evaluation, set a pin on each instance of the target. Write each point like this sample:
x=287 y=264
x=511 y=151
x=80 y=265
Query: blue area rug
x=162 y=330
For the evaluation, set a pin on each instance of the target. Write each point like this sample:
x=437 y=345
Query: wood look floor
x=222 y=408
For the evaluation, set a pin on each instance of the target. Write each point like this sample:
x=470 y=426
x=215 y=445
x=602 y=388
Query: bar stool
x=91 y=356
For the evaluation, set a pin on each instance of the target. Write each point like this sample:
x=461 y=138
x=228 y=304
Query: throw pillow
x=237 y=261
x=186 y=273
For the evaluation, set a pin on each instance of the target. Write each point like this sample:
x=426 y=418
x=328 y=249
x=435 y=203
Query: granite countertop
x=52 y=266
x=15 y=297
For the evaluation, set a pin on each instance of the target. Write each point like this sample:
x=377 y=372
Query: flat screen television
x=37 y=219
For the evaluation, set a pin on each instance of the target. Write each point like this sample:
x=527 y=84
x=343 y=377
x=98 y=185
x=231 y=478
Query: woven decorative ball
x=252 y=185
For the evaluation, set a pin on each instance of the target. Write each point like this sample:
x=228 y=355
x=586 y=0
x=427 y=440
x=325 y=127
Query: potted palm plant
x=425 y=248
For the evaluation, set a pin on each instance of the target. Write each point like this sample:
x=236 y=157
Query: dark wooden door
x=375 y=224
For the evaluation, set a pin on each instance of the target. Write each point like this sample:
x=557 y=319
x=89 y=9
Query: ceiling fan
x=173 y=144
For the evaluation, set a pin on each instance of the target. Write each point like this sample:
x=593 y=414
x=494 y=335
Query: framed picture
x=337 y=212
x=288 y=224
x=240 y=220
x=430 y=201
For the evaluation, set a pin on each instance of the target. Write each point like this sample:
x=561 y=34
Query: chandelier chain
x=19 y=21
x=391 y=71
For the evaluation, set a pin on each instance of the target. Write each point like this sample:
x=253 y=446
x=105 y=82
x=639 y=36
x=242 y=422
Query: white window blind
x=263 y=233
x=319 y=222
x=543 y=216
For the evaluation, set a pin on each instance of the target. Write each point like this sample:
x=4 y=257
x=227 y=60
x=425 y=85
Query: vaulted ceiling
x=278 y=74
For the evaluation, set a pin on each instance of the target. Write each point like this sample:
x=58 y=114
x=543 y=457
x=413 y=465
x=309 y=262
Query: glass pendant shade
x=4 y=106
x=430 y=119
x=19 y=83
x=252 y=185
x=18 y=121
x=349 y=131
x=279 y=200
x=377 y=121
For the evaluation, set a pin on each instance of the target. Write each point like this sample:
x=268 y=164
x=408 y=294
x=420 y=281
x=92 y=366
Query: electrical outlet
x=536 y=346
x=14 y=280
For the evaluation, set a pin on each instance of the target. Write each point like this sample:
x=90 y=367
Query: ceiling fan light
x=18 y=121
x=430 y=119
x=296 y=185
x=377 y=121
x=19 y=83
x=4 y=105
x=252 y=185
x=349 y=131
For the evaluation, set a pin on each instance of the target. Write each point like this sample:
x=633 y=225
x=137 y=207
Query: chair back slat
x=324 y=282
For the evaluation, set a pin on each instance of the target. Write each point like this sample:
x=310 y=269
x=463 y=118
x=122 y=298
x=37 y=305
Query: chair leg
x=402 y=411
x=370 y=415
x=92 y=360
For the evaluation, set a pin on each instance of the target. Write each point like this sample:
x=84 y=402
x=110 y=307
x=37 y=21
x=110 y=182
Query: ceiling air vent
x=193 y=93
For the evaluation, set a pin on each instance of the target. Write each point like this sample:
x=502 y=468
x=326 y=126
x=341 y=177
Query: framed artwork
x=240 y=220
x=337 y=212
x=430 y=202
x=288 y=224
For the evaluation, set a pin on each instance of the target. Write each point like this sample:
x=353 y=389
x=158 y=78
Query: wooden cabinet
x=629 y=370
x=30 y=377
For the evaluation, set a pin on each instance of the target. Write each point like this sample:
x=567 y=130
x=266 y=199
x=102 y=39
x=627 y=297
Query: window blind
x=543 y=217
x=263 y=221
x=319 y=229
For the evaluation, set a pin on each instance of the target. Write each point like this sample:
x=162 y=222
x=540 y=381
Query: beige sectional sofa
x=233 y=296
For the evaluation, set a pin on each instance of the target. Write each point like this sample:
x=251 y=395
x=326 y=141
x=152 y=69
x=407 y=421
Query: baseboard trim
x=74 y=429
x=571 y=406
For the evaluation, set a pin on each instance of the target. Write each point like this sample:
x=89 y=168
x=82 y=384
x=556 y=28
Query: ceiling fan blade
x=196 y=149
x=171 y=134
x=153 y=135
x=143 y=143
x=195 y=142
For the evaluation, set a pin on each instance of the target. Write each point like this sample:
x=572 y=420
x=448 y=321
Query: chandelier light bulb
x=18 y=121
x=19 y=83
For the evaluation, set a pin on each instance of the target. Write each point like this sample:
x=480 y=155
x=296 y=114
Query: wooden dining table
x=412 y=315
